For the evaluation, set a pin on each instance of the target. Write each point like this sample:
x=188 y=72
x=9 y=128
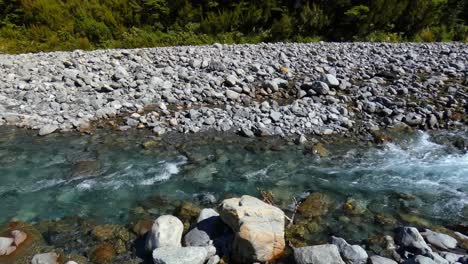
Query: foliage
x=45 y=25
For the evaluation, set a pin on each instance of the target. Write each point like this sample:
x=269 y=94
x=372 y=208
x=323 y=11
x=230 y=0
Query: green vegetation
x=44 y=25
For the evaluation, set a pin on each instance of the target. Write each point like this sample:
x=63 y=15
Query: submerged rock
x=24 y=251
x=321 y=254
x=47 y=129
x=258 y=227
x=103 y=253
x=165 y=232
x=315 y=205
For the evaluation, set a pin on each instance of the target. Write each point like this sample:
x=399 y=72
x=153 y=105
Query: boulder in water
x=411 y=240
x=45 y=258
x=440 y=240
x=258 y=228
x=165 y=232
x=315 y=205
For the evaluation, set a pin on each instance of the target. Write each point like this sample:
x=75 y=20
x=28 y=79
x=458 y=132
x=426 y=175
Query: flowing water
x=105 y=175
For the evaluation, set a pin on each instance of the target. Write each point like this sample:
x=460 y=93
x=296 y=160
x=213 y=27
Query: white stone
x=165 y=232
x=45 y=258
x=5 y=243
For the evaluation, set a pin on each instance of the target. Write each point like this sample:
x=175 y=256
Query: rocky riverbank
x=239 y=230
x=265 y=89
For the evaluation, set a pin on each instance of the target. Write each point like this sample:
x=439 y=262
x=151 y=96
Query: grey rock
x=352 y=254
x=47 y=129
x=440 y=240
x=321 y=254
x=330 y=80
x=320 y=88
x=381 y=260
x=178 y=255
x=232 y=95
x=411 y=240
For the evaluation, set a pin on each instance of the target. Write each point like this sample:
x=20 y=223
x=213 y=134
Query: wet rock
x=411 y=240
x=315 y=205
x=187 y=212
x=316 y=149
x=142 y=226
x=258 y=228
x=381 y=260
x=440 y=240
x=103 y=253
x=301 y=230
x=18 y=236
x=45 y=258
x=420 y=260
x=85 y=168
x=110 y=232
x=321 y=254
x=165 y=232
x=6 y=245
x=33 y=244
x=355 y=207
x=179 y=255
x=352 y=254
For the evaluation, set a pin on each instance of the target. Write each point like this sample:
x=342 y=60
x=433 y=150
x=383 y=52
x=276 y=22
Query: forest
x=47 y=25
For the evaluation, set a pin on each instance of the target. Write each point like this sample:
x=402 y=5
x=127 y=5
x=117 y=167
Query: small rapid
x=105 y=176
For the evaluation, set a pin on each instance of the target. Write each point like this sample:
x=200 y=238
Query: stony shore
x=240 y=230
x=265 y=89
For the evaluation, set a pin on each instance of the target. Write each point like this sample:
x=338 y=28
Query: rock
x=321 y=254
x=165 y=232
x=206 y=213
x=315 y=205
x=213 y=260
x=411 y=240
x=381 y=260
x=330 y=80
x=231 y=80
x=24 y=252
x=5 y=244
x=110 y=232
x=45 y=258
x=232 y=95
x=301 y=140
x=420 y=260
x=180 y=255
x=258 y=228
x=316 y=149
x=103 y=253
x=440 y=240
x=210 y=229
x=320 y=88
x=19 y=236
x=47 y=129
x=352 y=254
x=275 y=116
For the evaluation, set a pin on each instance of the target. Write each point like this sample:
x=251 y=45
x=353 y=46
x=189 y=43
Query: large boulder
x=165 y=232
x=258 y=228
x=352 y=254
x=440 y=240
x=180 y=255
x=321 y=254
x=411 y=240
